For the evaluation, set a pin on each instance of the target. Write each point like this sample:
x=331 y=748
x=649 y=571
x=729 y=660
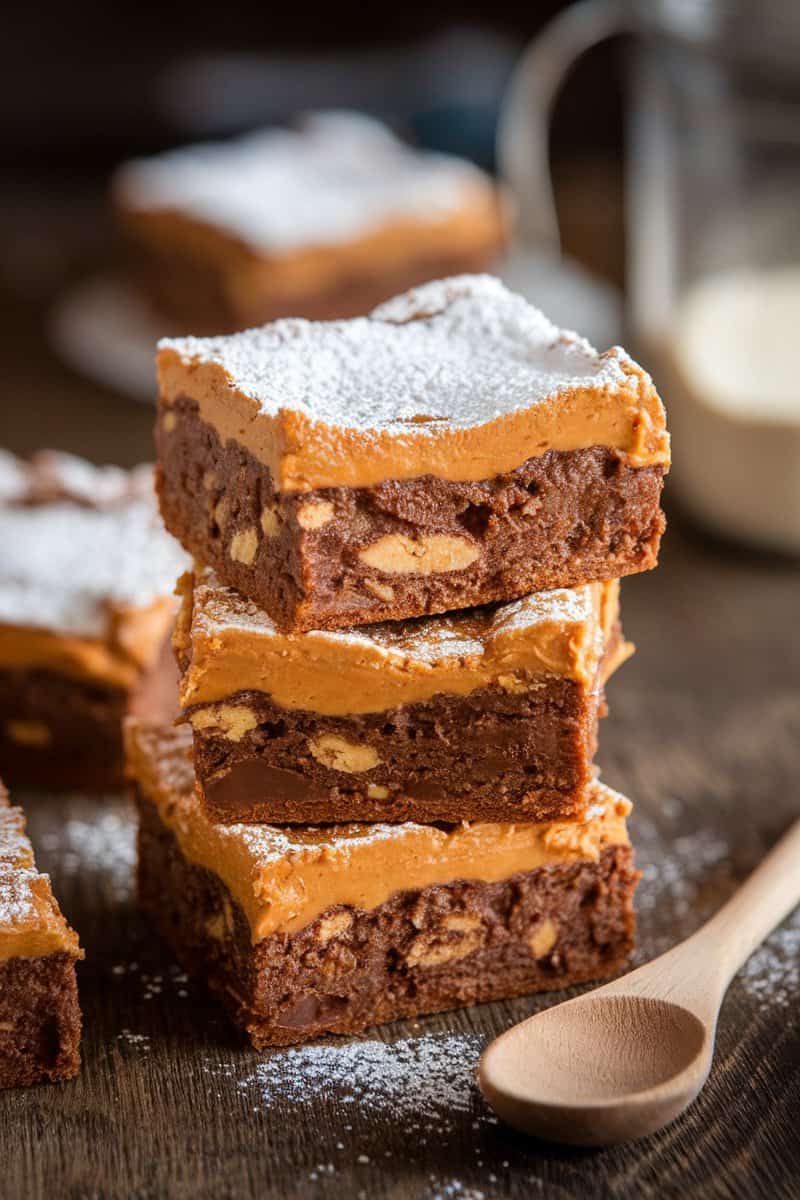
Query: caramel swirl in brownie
x=87 y=569
x=226 y=644
x=283 y=878
x=459 y=379
x=31 y=923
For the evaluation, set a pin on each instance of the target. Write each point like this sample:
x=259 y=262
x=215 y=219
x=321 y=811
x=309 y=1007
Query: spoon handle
x=767 y=896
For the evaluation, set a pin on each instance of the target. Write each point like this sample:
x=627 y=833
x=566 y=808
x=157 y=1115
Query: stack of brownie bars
x=381 y=801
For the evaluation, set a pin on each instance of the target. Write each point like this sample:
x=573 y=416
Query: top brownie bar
x=452 y=449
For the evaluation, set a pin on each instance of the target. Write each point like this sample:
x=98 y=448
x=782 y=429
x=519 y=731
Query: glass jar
x=713 y=215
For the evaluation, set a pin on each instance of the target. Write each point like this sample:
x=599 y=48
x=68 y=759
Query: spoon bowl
x=620 y=1062
x=601 y=1069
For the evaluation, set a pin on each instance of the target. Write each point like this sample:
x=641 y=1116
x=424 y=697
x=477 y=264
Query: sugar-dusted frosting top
x=460 y=352
x=31 y=923
x=226 y=645
x=283 y=878
x=459 y=378
x=340 y=176
x=78 y=543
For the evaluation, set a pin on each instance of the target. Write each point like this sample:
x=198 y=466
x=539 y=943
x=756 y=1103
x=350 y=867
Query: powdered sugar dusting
x=80 y=541
x=25 y=898
x=453 y=354
x=427 y=640
x=104 y=846
x=19 y=905
x=772 y=974
x=425 y=1083
x=340 y=177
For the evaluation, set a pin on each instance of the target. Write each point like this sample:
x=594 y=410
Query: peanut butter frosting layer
x=226 y=644
x=459 y=379
x=284 y=878
x=87 y=569
x=31 y=923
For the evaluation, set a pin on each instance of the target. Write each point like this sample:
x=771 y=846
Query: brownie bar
x=300 y=961
x=40 y=1021
x=496 y=489
x=488 y=714
x=86 y=613
x=64 y=733
x=223 y=237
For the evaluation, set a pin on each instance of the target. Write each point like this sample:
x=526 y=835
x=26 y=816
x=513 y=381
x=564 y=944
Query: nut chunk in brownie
x=86 y=610
x=40 y=1021
x=329 y=929
x=452 y=449
x=323 y=221
x=488 y=714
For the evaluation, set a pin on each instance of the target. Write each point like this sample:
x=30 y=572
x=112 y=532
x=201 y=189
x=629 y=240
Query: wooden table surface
x=704 y=736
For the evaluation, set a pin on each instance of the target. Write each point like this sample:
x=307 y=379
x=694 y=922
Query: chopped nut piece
x=332 y=926
x=244 y=545
x=221 y=512
x=513 y=684
x=339 y=755
x=315 y=515
x=433 y=950
x=234 y=720
x=462 y=922
x=169 y=421
x=270 y=521
x=221 y=923
x=382 y=590
x=397 y=554
x=376 y=791
x=28 y=733
x=542 y=938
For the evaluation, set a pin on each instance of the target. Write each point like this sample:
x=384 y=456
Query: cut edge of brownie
x=559 y=520
x=486 y=756
x=423 y=951
x=40 y=1020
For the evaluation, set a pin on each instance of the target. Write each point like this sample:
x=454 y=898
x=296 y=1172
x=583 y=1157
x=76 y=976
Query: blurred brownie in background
x=40 y=1021
x=324 y=221
x=86 y=613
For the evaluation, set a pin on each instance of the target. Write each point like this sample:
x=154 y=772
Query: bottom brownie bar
x=316 y=930
x=40 y=1021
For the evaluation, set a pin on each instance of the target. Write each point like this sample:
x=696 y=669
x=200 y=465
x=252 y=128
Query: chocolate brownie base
x=488 y=756
x=66 y=734
x=420 y=952
x=40 y=1021
x=565 y=518
x=60 y=732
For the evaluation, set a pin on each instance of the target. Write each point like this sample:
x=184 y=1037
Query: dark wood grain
x=704 y=735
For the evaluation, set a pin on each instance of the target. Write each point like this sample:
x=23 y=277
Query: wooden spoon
x=621 y=1061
